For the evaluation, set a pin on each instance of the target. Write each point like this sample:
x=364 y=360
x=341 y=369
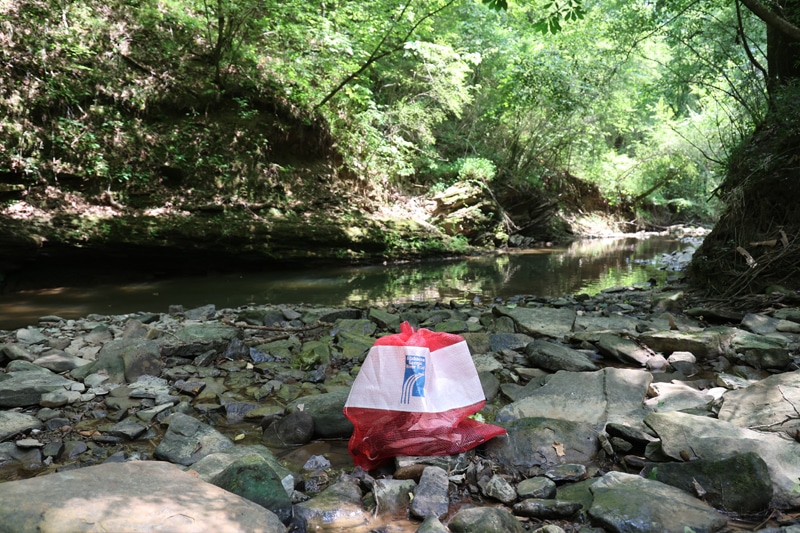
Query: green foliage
x=476 y=169
x=643 y=100
x=556 y=12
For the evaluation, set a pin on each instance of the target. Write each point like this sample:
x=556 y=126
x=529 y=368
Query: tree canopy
x=645 y=101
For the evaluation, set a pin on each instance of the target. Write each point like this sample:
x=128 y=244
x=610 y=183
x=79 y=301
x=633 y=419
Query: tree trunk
x=783 y=53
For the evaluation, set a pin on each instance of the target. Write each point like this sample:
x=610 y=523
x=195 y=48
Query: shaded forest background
x=392 y=129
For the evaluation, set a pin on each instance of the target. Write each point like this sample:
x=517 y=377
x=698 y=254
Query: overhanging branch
x=773 y=19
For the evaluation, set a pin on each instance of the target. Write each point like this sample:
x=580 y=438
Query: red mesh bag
x=413 y=396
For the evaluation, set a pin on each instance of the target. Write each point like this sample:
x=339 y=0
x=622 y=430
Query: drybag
x=414 y=395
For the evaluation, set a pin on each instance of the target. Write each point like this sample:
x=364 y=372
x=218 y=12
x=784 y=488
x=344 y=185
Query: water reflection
x=584 y=266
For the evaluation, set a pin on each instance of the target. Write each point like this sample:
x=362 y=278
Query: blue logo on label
x=414 y=379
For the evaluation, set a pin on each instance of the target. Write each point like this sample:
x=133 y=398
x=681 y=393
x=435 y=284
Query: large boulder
x=686 y=436
x=738 y=484
x=607 y=395
x=626 y=502
x=134 y=496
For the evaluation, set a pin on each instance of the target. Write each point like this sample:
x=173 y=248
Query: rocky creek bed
x=624 y=411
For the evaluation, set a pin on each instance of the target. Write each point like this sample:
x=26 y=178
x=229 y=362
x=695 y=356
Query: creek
x=584 y=266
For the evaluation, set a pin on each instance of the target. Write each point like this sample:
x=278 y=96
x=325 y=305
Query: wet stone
x=59 y=398
x=13 y=423
x=188 y=440
x=26 y=457
x=432 y=524
x=295 y=428
x=127 y=429
x=568 y=472
x=315 y=482
x=53 y=449
x=56 y=423
x=192 y=388
x=17 y=352
x=73 y=449
x=499 y=489
x=236 y=411
x=547 y=509
x=476 y=519
x=536 y=487
x=338 y=506
x=107 y=439
x=317 y=462
x=253 y=478
x=28 y=443
x=430 y=497
x=393 y=495
x=31 y=336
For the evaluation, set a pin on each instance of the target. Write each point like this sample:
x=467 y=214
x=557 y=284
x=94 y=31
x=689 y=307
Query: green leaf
x=497 y=5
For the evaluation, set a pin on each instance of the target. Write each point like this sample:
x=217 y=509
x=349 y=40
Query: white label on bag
x=414 y=379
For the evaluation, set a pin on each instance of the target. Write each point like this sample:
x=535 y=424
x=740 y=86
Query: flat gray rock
x=16 y=352
x=761 y=351
x=13 y=423
x=606 y=323
x=554 y=357
x=136 y=496
x=677 y=396
x=608 y=395
x=508 y=341
x=540 y=321
x=60 y=362
x=26 y=388
x=768 y=405
x=534 y=442
x=475 y=519
x=622 y=350
x=188 y=440
x=704 y=344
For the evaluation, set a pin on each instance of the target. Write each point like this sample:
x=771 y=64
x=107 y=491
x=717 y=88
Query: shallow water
x=584 y=266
